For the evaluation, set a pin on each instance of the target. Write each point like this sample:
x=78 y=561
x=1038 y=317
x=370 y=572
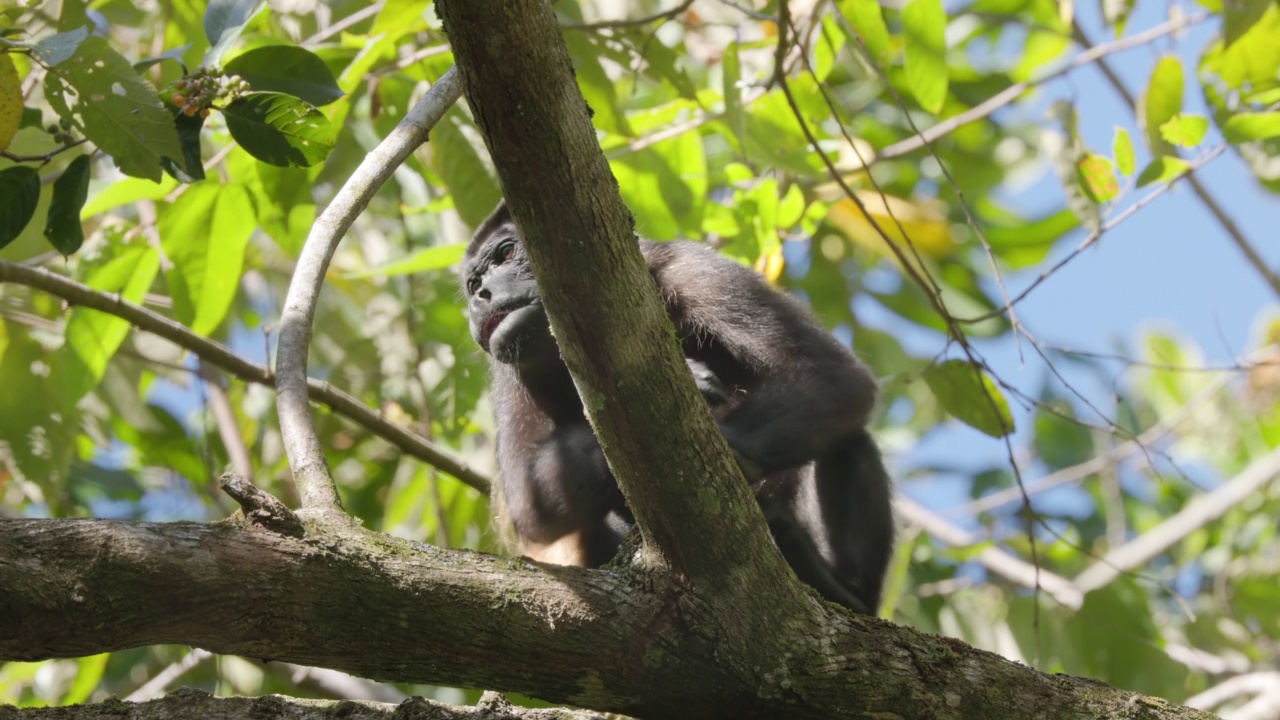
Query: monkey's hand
x=713 y=391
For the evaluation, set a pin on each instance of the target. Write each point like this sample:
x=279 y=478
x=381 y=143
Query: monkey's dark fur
x=791 y=401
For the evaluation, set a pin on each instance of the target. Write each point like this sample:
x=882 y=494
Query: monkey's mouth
x=491 y=324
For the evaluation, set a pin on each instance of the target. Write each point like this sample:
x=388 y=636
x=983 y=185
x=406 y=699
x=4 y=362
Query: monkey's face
x=507 y=317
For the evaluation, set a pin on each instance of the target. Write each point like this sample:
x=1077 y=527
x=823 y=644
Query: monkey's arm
x=805 y=392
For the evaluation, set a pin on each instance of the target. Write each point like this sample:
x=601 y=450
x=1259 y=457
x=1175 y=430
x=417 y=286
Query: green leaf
x=665 y=185
x=92 y=337
x=867 y=23
x=1043 y=46
x=32 y=118
x=63 y=228
x=1252 y=60
x=733 y=111
x=1247 y=127
x=924 y=25
x=224 y=20
x=101 y=94
x=1060 y=440
x=469 y=178
x=57 y=49
x=124 y=192
x=287 y=69
x=599 y=90
x=1163 y=102
x=1185 y=130
x=190 y=167
x=1098 y=178
x=827 y=45
x=1122 y=146
x=970 y=396
x=1162 y=170
x=1020 y=243
x=175 y=55
x=1239 y=16
x=206 y=264
x=280 y=130
x=19 y=193
x=432 y=258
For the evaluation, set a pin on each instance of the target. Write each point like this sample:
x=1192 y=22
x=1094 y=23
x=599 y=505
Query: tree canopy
x=1085 y=503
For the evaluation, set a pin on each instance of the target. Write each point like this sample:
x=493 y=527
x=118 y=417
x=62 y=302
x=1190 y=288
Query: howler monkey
x=791 y=401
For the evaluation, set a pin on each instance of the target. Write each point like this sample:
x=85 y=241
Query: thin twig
x=316 y=487
x=663 y=16
x=215 y=353
x=1094 y=236
x=998 y=561
x=1269 y=276
x=1094 y=464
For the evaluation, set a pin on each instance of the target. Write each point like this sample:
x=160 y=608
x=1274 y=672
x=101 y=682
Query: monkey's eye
x=473 y=284
x=504 y=253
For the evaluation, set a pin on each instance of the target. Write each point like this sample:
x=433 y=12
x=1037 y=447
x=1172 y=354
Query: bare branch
x=1201 y=511
x=306 y=456
x=663 y=16
x=216 y=353
x=998 y=561
x=1234 y=687
x=1095 y=464
x=375 y=606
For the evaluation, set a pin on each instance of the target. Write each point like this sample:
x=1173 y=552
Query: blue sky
x=1171 y=267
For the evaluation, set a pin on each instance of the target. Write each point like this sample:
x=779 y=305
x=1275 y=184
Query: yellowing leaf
x=770 y=265
x=926 y=224
x=10 y=101
x=1097 y=178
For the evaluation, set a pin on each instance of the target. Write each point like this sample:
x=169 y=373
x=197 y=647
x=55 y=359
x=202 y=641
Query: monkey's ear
x=500 y=216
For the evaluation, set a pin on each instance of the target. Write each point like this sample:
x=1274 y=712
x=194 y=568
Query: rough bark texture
x=185 y=704
x=378 y=607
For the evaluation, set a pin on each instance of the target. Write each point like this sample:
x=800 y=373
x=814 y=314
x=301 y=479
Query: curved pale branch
x=1197 y=513
x=215 y=353
x=306 y=455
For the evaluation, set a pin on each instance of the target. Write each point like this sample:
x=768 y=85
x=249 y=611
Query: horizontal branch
x=215 y=353
x=199 y=704
x=1200 y=511
x=378 y=607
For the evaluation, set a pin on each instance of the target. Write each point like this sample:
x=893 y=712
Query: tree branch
x=188 y=703
x=306 y=455
x=388 y=609
x=215 y=353
x=1201 y=511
